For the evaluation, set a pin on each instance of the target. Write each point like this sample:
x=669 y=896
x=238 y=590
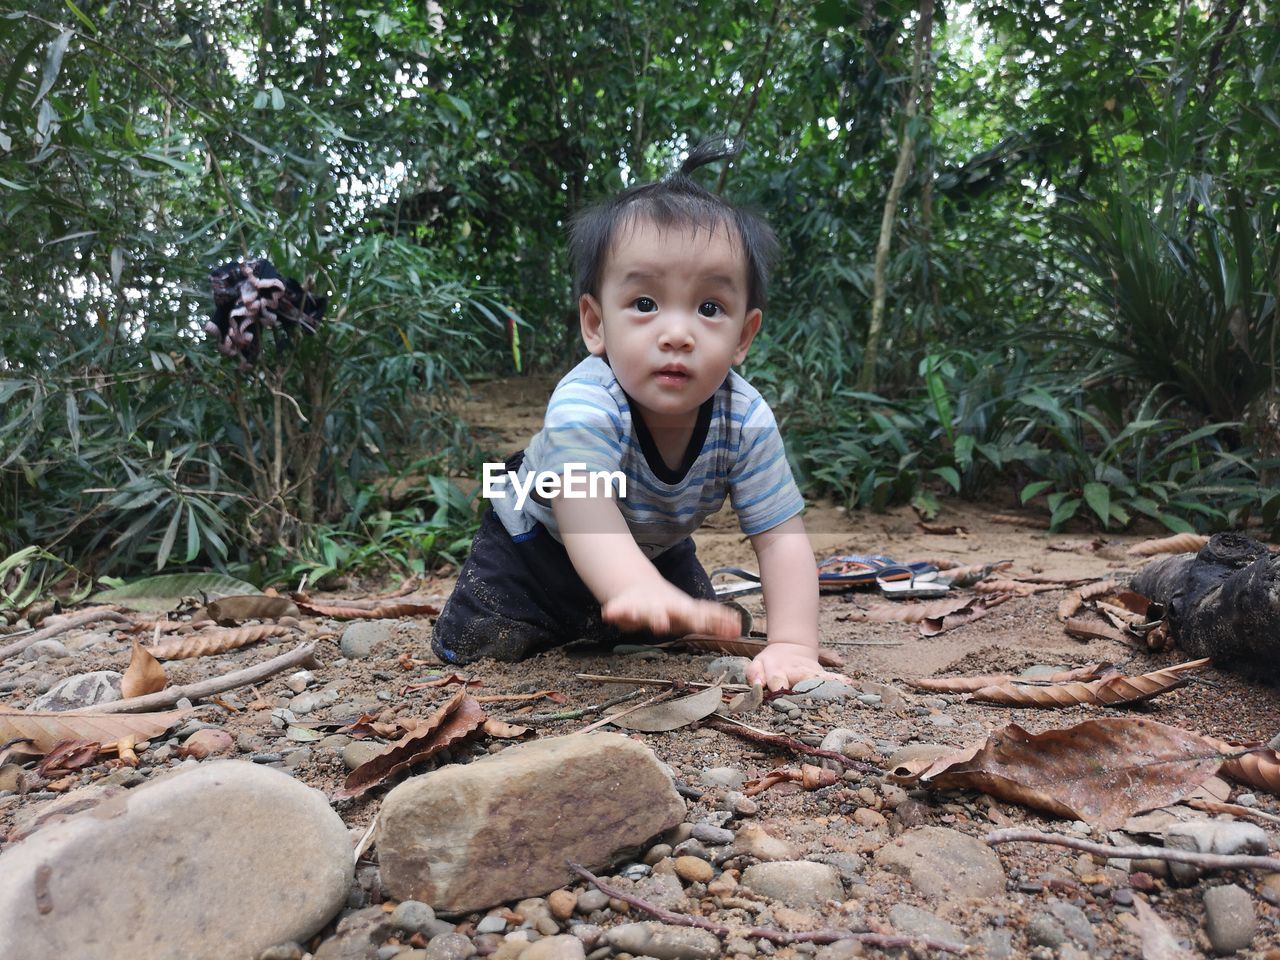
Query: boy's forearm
x=601 y=547
x=790 y=579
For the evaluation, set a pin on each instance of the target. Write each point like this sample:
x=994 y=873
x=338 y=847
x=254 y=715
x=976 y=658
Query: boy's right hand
x=670 y=611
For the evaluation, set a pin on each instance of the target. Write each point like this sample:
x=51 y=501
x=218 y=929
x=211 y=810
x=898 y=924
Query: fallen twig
x=887 y=941
x=71 y=623
x=737 y=727
x=1207 y=861
x=303 y=655
x=1235 y=809
x=575 y=714
x=661 y=682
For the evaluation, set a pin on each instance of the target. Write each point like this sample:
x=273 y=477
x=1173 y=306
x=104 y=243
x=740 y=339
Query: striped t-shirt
x=736 y=452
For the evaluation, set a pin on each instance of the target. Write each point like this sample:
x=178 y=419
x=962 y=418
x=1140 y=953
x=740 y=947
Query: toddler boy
x=671 y=283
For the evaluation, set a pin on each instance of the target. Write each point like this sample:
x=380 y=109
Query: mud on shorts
x=516 y=597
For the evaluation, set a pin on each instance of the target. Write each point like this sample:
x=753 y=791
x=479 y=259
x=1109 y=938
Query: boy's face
x=672 y=316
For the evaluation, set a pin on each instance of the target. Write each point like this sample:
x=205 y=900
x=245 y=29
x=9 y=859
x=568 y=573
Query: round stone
x=693 y=869
x=562 y=903
x=413 y=916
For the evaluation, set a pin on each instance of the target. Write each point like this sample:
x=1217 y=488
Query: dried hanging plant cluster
x=251 y=296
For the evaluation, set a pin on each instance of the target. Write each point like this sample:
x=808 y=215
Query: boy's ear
x=591 y=321
x=750 y=327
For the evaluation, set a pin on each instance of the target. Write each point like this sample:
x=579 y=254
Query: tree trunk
x=906 y=152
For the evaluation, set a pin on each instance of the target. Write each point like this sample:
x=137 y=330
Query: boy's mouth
x=672 y=374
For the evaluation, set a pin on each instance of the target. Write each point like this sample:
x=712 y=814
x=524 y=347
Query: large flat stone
x=463 y=838
x=944 y=864
x=219 y=861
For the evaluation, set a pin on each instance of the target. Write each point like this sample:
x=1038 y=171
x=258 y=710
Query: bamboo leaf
x=53 y=64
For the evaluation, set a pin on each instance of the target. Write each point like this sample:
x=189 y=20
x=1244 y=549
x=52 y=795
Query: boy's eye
x=709 y=308
x=645 y=304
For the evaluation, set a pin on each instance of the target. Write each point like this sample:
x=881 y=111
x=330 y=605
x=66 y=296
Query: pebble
x=1074 y=921
x=870 y=699
x=711 y=834
x=358 y=752
x=752 y=840
x=589 y=901
x=450 y=946
x=914 y=922
x=869 y=819
x=208 y=743
x=693 y=870
x=796 y=883
x=10 y=777
x=1212 y=836
x=282 y=951
x=783 y=705
x=299 y=681
x=559 y=947
x=818 y=689
x=664 y=942
x=361 y=638
x=1229 y=919
x=562 y=903
x=657 y=853
x=734 y=668
x=48 y=649
x=635 y=871
x=944 y=864
x=202 y=824
x=1044 y=931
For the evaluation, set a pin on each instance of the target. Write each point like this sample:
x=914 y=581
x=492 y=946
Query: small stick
x=1235 y=809
x=71 y=623
x=302 y=655
x=575 y=714
x=863 y=643
x=660 y=682
x=729 y=725
x=888 y=941
x=661 y=694
x=366 y=840
x=1209 y=861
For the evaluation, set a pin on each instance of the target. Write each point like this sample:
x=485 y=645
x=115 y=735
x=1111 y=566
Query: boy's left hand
x=780 y=665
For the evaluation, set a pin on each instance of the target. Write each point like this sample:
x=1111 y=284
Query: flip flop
x=865 y=570
x=915 y=586
x=748 y=582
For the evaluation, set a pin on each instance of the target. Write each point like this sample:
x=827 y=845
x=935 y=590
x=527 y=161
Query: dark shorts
x=516 y=598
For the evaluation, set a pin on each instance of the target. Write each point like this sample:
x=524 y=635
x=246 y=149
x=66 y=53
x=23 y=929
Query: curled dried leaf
x=1019 y=588
x=144 y=674
x=503 y=730
x=68 y=755
x=1178 y=543
x=1111 y=691
x=1093 y=630
x=357 y=610
x=1092 y=671
x=216 y=640
x=975 y=609
x=254 y=606
x=1069 y=606
x=43 y=729
x=907 y=612
x=1259 y=768
x=809 y=776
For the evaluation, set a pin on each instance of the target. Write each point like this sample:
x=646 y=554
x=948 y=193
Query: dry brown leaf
x=46 y=728
x=1019 y=588
x=745 y=647
x=670 y=714
x=1092 y=671
x=144 y=674
x=967 y=576
x=1178 y=543
x=975 y=609
x=906 y=612
x=67 y=756
x=455 y=719
x=443 y=681
x=1259 y=768
x=1093 y=630
x=1112 y=691
x=341 y=609
x=1100 y=771
x=216 y=640
x=1069 y=606
x=503 y=730
x=255 y=606
x=1013 y=519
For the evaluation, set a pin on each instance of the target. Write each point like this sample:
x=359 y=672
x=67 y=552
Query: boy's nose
x=677 y=334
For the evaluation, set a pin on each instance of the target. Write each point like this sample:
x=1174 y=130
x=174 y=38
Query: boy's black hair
x=674 y=201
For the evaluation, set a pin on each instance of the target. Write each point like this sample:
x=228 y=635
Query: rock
x=1074 y=921
x=709 y=833
x=10 y=777
x=995 y=944
x=492 y=923
x=1044 y=931
x=869 y=819
x=358 y=937
x=1229 y=919
x=1212 y=836
x=171 y=855
x=840 y=950
x=944 y=864
x=450 y=946
x=753 y=840
x=817 y=689
x=797 y=883
x=560 y=947
x=360 y=639
x=916 y=751
x=468 y=837
x=693 y=870
x=82 y=690
x=730 y=777
x=360 y=751
x=733 y=668
x=663 y=941
x=282 y=951
x=208 y=743
x=562 y=903
x=47 y=649
x=914 y=922
x=589 y=901
x=413 y=916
